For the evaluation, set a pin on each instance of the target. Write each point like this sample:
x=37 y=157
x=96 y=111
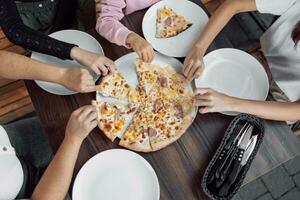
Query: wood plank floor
x=14 y=98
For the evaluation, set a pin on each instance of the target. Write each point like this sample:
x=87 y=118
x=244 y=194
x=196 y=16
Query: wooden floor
x=14 y=98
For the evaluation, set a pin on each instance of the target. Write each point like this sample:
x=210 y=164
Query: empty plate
x=235 y=73
x=116 y=174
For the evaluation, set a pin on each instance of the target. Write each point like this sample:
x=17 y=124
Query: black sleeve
x=19 y=34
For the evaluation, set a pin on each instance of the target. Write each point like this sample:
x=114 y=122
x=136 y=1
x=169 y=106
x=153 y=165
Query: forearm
x=109 y=25
x=281 y=111
x=219 y=19
x=135 y=5
x=14 y=66
x=56 y=180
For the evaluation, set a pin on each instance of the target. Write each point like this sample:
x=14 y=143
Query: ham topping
x=151 y=132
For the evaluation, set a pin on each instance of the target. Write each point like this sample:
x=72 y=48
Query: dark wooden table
x=180 y=166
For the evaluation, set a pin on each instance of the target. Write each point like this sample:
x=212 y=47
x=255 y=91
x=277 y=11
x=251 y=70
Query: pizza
x=113 y=117
x=162 y=114
x=169 y=24
x=148 y=75
x=136 y=136
x=115 y=85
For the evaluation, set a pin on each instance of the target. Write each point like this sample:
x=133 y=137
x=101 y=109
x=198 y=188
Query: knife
x=249 y=151
x=238 y=164
x=229 y=147
x=242 y=144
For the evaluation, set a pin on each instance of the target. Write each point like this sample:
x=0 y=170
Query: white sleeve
x=275 y=7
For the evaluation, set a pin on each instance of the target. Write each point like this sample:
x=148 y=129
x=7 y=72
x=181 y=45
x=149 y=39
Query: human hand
x=78 y=79
x=212 y=101
x=140 y=46
x=101 y=65
x=193 y=64
x=81 y=122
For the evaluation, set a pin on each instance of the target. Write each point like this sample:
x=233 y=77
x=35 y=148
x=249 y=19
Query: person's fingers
x=203 y=103
x=104 y=70
x=87 y=85
x=188 y=67
x=204 y=110
x=79 y=110
x=203 y=97
x=96 y=69
x=92 y=116
x=110 y=64
x=192 y=72
x=185 y=62
x=151 y=55
x=197 y=73
x=93 y=124
x=148 y=55
x=87 y=110
x=139 y=53
x=144 y=56
x=91 y=88
x=201 y=91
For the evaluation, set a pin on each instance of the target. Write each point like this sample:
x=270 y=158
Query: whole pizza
x=148 y=118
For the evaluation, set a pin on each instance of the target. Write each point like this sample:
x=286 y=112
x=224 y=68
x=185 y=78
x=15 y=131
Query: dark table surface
x=180 y=166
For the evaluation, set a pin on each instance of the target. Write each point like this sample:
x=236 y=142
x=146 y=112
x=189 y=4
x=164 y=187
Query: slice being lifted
x=115 y=85
x=169 y=24
x=113 y=118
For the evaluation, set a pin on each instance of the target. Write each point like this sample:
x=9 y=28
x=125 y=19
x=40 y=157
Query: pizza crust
x=136 y=146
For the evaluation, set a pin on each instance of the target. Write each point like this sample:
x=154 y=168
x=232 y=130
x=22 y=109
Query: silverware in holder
x=228 y=167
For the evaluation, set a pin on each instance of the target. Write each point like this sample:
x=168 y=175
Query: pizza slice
x=114 y=117
x=169 y=24
x=148 y=76
x=115 y=85
x=179 y=90
x=167 y=118
x=162 y=126
x=136 y=136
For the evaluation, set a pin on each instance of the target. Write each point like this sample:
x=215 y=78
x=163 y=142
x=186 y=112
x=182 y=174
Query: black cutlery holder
x=232 y=132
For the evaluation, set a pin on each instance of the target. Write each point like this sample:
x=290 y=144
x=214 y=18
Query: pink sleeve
x=111 y=12
x=135 y=5
x=108 y=23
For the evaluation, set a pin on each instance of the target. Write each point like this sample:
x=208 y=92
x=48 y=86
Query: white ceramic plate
x=116 y=174
x=125 y=65
x=235 y=73
x=179 y=45
x=84 y=41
